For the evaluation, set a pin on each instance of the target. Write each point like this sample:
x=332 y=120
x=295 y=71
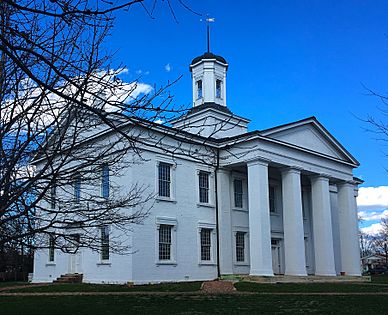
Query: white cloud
x=373 y=197
x=373 y=229
x=168 y=67
x=372 y=215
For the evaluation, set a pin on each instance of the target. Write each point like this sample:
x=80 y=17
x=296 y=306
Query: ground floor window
x=105 y=243
x=51 y=247
x=165 y=242
x=240 y=246
x=206 y=244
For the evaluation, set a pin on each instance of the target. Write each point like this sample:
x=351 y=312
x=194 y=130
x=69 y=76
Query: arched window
x=199 y=89
x=218 y=88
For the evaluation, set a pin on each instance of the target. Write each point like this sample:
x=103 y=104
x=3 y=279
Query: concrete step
x=69 y=278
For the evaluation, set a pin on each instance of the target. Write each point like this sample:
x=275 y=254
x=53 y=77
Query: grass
x=85 y=287
x=380 y=279
x=11 y=283
x=194 y=304
x=308 y=287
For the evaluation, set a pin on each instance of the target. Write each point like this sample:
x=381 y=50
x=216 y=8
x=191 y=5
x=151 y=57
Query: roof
x=208 y=55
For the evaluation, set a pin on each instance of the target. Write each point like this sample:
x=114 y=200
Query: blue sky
x=287 y=60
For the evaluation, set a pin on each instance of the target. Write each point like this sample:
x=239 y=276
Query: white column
x=348 y=226
x=259 y=221
x=224 y=222
x=322 y=229
x=294 y=248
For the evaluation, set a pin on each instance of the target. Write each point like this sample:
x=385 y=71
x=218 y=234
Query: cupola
x=208 y=73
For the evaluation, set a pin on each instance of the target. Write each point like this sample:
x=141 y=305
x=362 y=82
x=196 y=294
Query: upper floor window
x=203 y=186
x=206 y=244
x=218 y=88
x=164 y=179
x=53 y=196
x=105 y=243
x=238 y=193
x=199 y=89
x=165 y=242
x=105 y=181
x=77 y=188
x=272 y=199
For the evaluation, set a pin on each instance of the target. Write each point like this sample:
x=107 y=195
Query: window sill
x=240 y=209
x=207 y=263
x=51 y=264
x=275 y=214
x=207 y=205
x=242 y=264
x=158 y=199
x=104 y=263
x=167 y=262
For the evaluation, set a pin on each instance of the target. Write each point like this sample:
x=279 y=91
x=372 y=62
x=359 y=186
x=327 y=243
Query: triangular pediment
x=310 y=134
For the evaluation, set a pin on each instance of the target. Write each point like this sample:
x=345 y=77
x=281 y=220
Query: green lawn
x=11 y=283
x=309 y=287
x=194 y=304
x=380 y=279
x=85 y=287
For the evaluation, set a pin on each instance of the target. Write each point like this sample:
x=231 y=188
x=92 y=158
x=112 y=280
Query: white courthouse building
x=263 y=202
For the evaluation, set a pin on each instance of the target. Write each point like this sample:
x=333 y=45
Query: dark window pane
x=238 y=193
x=165 y=242
x=164 y=179
x=203 y=178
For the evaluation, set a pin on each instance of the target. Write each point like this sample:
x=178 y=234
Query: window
x=105 y=243
x=238 y=193
x=165 y=242
x=105 y=181
x=240 y=246
x=206 y=244
x=51 y=247
x=203 y=186
x=199 y=89
x=218 y=88
x=77 y=188
x=272 y=199
x=53 y=196
x=304 y=204
x=164 y=179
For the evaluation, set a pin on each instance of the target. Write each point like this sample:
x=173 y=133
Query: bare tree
x=380 y=241
x=66 y=121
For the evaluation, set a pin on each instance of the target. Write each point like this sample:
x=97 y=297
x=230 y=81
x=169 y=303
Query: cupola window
x=218 y=88
x=199 y=89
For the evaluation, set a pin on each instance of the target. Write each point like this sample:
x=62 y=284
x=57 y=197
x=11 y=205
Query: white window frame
x=211 y=192
x=173 y=166
x=173 y=253
x=107 y=227
x=221 y=88
x=244 y=190
x=49 y=248
x=198 y=95
x=213 y=244
x=244 y=230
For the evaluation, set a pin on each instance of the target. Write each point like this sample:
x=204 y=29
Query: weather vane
x=208 y=21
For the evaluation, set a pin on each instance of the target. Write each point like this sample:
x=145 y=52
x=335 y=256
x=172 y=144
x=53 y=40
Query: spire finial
x=208 y=21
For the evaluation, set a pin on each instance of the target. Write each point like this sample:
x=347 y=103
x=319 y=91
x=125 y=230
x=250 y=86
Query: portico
x=298 y=233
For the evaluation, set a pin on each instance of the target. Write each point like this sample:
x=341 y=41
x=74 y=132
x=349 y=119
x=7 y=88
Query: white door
x=74 y=256
x=276 y=262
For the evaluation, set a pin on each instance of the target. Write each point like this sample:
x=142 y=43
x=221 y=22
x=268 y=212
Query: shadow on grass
x=85 y=287
x=196 y=304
